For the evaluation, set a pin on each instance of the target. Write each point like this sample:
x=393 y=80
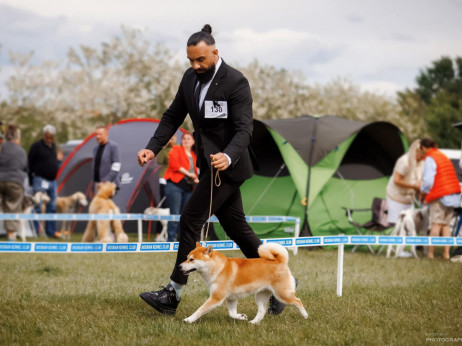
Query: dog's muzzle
x=187 y=272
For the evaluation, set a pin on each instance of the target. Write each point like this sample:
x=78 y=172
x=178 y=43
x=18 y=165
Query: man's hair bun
x=207 y=28
x=204 y=35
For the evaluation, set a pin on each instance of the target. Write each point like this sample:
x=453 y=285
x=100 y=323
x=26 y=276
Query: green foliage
x=128 y=77
x=437 y=100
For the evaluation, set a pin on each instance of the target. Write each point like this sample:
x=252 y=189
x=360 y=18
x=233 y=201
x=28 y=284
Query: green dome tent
x=311 y=167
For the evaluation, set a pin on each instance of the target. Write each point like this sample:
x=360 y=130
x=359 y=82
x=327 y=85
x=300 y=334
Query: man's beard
x=206 y=76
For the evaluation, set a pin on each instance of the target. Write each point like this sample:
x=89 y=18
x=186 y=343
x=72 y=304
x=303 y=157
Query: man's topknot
x=204 y=35
x=207 y=29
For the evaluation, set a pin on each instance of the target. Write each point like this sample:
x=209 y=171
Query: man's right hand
x=145 y=155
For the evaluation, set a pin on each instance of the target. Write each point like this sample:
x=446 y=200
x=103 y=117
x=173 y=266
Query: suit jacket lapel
x=216 y=82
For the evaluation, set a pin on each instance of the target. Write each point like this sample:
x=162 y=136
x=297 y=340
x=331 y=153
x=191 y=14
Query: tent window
x=268 y=155
x=372 y=154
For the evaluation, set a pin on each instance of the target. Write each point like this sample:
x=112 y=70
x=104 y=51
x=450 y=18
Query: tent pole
x=306 y=224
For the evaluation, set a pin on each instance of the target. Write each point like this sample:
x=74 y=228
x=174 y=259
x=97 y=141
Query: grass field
x=93 y=299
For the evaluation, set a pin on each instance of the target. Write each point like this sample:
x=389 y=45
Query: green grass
x=93 y=299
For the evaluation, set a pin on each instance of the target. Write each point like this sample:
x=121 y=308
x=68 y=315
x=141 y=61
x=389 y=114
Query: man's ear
x=209 y=250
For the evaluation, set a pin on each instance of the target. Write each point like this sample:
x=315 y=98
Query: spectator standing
x=442 y=191
x=43 y=167
x=13 y=172
x=162 y=160
x=106 y=158
x=405 y=182
x=181 y=174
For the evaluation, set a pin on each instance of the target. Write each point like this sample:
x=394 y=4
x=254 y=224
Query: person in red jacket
x=181 y=175
x=441 y=190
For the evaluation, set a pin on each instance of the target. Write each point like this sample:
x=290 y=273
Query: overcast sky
x=378 y=44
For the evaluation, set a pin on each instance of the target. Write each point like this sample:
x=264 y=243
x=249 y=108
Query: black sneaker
x=163 y=300
x=275 y=306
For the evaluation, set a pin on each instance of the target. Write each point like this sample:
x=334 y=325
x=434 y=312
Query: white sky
x=377 y=44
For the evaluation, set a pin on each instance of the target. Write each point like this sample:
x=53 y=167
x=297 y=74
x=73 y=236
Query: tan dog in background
x=233 y=278
x=103 y=204
x=69 y=205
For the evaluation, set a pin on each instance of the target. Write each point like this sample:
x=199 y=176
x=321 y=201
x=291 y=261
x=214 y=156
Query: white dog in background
x=410 y=222
x=28 y=204
x=162 y=236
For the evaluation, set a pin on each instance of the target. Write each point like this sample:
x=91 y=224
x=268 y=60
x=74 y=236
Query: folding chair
x=378 y=222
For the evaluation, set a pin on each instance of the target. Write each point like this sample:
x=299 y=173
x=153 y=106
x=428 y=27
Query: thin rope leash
x=217 y=184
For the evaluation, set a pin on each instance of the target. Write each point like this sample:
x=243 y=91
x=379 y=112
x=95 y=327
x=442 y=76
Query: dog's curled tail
x=273 y=252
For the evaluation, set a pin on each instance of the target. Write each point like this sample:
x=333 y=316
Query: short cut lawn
x=93 y=299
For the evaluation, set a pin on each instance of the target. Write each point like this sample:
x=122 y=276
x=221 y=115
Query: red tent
x=139 y=186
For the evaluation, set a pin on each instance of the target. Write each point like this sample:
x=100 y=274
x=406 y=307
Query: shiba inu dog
x=234 y=278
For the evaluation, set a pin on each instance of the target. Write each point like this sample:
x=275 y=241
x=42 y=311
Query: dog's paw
x=190 y=319
x=122 y=238
x=242 y=317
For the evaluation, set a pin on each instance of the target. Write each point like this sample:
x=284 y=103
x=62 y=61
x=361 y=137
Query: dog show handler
x=218 y=100
x=43 y=167
x=106 y=158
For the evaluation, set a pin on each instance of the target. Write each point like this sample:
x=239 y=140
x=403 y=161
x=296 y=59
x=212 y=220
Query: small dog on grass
x=69 y=205
x=234 y=278
x=103 y=204
x=410 y=222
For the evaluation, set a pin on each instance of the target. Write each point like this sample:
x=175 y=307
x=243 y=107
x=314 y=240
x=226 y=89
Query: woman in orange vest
x=181 y=175
x=442 y=191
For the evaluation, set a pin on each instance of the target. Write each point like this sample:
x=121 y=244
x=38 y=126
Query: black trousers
x=227 y=207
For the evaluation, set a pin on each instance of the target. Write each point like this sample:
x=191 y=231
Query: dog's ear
x=198 y=245
x=209 y=250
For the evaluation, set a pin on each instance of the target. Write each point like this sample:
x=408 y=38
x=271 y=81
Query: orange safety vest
x=446 y=182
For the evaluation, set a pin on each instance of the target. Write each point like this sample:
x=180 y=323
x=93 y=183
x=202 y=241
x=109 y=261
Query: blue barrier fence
x=142 y=217
x=58 y=247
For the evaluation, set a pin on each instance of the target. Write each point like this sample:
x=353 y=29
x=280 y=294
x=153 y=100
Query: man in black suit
x=217 y=98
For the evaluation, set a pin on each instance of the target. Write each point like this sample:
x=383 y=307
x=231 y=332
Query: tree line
x=129 y=77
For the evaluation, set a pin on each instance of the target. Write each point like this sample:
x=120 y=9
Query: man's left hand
x=219 y=161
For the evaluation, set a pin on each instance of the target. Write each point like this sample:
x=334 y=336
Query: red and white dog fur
x=234 y=278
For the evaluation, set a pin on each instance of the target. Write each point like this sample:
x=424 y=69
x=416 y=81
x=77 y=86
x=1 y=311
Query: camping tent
x=314 y=166
x=138 y=186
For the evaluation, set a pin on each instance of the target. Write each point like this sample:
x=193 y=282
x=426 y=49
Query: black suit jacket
x=230 y=135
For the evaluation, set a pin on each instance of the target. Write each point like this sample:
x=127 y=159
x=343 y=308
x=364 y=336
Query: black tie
x=197 y=95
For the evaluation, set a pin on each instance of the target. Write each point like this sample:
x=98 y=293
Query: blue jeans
x=49 y=187
x=176 y=198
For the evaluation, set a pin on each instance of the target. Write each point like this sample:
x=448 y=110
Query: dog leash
x=217 y=184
